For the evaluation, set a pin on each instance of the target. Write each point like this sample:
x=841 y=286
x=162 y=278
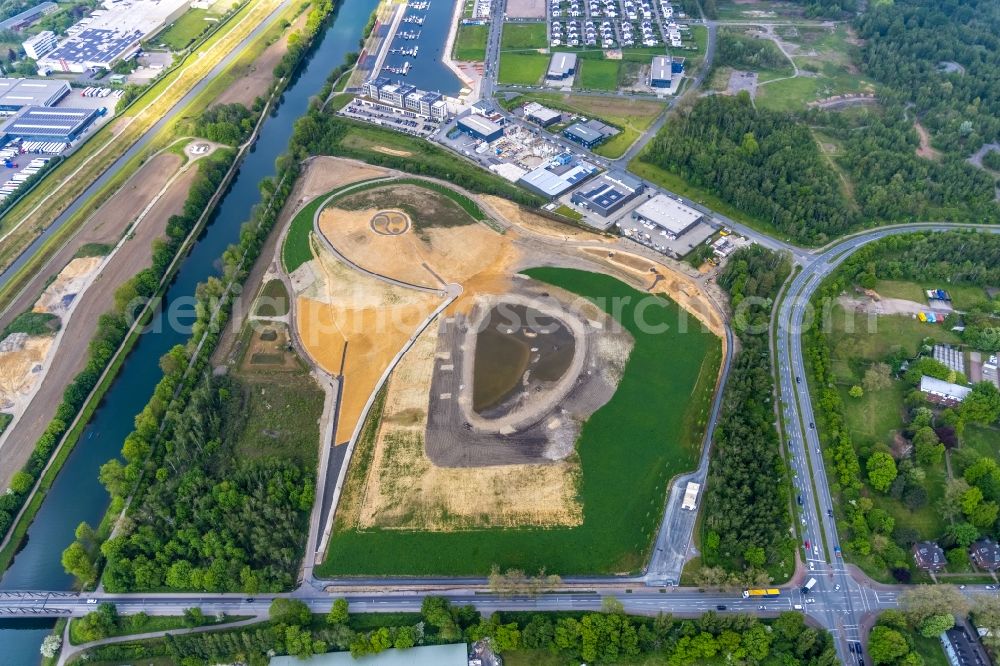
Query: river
x=76 y=495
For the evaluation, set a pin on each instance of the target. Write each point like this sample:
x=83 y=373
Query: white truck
x=691 y=496
x=810 y=584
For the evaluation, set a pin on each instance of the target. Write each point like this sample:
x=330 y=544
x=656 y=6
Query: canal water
x=427 y=71
x=77 y=495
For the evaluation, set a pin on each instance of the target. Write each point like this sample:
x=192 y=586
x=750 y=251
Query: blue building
x=586 y=136
x=479 y=127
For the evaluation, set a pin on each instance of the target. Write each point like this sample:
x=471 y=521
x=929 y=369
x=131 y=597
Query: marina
x=411 y=52
x=419 y=27
x=415 y=20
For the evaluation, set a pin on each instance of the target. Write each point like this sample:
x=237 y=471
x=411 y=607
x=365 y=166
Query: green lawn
x=470 y=44
x=930 y=649
x=597 y=74
x=963 y=296
x=296 y=250
x=873 y=339
x=523 y=36
x=522 y=69
x=282 y=411
x=273 y=299
x=985 y=440
x=876 y=415
x=184 y=30
x=629 y=449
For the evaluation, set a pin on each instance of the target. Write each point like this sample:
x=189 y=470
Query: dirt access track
x=107 y=225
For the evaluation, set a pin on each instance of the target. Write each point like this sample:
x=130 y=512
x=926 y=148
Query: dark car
x=799 y=500
x=798 y=380
x=829 y=512
x=720 y=607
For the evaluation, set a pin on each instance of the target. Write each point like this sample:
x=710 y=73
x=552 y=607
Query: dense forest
x=891 y=183
x=943 y=56
x=736 y=49
x=605 y=637
x=746 y=499
x=213 y=520
x=764 y=163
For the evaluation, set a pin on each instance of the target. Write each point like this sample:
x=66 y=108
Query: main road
x=840 y=611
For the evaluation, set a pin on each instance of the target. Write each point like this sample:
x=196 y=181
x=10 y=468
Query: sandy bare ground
x=319 y=176
x=658 y=279
x=338 y=307
x=405 y=490
x=256 y=78
x=885 y=306
x=71 y=280
x=925 y=150
x=21 y=358
x=71 y=355
x=538 y=224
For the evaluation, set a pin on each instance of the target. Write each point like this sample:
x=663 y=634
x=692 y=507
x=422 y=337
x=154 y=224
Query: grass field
x=888 y=333
x=274 y=299
x=522 y=69
x=930 y=649
x=876 y=415
x=631 y=116
x=296 y=250
x=963 y=296
x=984 y=440
x=138 y=624
x=184 y=30
x=470 y=44
x=629 y=449
x=523 y=36
x=597 y=75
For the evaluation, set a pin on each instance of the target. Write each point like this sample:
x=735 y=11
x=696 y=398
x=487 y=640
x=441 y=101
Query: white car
x=836 y=588
x=91 y=601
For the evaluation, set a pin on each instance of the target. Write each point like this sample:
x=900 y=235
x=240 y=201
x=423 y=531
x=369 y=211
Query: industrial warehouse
x=562 y=67
x=557 y=175
x=608 y=193
x=16 y=94
x=110 y=34
x=36 y=123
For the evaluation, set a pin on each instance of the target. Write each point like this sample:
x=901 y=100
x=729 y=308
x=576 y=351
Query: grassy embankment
x=650 y=431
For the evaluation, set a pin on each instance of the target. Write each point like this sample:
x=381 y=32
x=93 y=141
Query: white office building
x=42 y=43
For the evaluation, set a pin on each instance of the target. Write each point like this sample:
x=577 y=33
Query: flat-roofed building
x=561 y=67
x=541 y=115
x=584 y=135
x=111 y=34
x=661 y=72
x=47 y=124
x=16 y=94
x=480 y=127
x=673 y=217
x=608 y=192
x=36 y=47
x=557 y=175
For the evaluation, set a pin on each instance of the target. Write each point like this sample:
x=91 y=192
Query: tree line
x=112 y=328
x=740 y=51
x=184 y=374
x=746 y=500
x=605 y=637
x=230 y=124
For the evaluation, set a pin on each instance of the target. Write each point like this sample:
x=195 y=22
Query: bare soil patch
x=658 y=279
x=21 y=358
x=72 y=279
x=405 y=490
x=925 y=150
x=70 y=356
x=256 y=78
x=345 y=318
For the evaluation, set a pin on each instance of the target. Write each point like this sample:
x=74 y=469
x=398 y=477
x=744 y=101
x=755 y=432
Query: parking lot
x=612 y=24
x=400 y=120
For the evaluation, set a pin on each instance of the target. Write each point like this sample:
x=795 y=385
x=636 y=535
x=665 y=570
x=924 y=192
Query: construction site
x=464 y=383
